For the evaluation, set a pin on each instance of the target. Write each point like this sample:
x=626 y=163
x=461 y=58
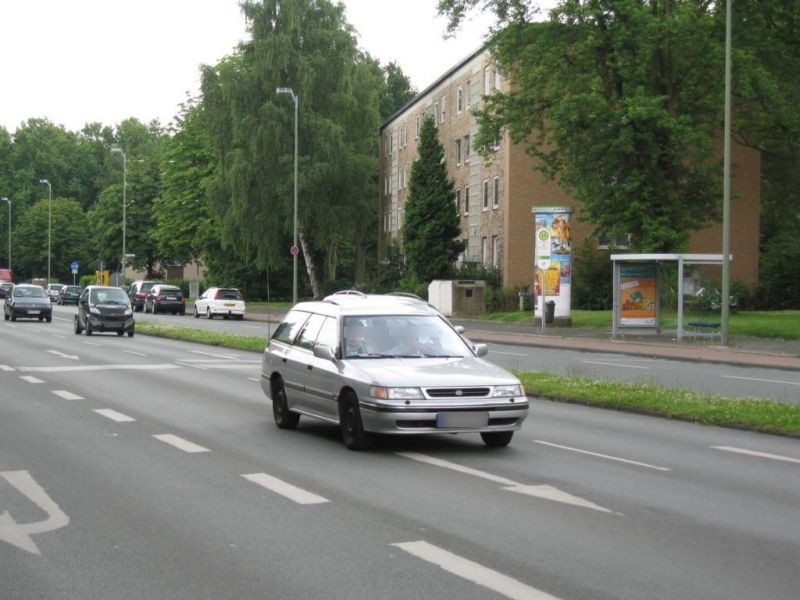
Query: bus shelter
x=637 y=285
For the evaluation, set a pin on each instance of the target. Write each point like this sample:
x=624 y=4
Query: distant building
x=495 y=197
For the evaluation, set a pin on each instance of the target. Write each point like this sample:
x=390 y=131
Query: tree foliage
x=430 y=226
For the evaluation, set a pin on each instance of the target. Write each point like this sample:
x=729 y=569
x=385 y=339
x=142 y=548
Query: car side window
x=329 y=333
x=291 y=324
x=308 y=335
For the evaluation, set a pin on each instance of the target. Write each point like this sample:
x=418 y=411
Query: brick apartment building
x=495 y=196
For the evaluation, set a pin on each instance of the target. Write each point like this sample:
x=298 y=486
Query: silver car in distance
x=386 y=364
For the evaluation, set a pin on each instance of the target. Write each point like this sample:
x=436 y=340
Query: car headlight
x=507 y=390
x=94 y=311
x=128 y=312
x=399 y=393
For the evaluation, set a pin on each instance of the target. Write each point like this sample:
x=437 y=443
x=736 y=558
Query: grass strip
x=708 y=409
x=200 y=336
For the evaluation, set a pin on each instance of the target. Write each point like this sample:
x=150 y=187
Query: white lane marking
x=114 y=415
x=546 y=492
x=19 y=534
x=6 y=368
x=761 y=380
x=60 y=337
x=211 y=361
x=507 y=353
x=92 y=344
x=757 y=454
x=180 y=443
x=615 y=458
x=287 y=490
x=474 y=572
x=134 y=353
x=62 y=355
x=67 y=395
x=156 y=367
x=226 y=356
x=256 y=379
x=31 y=379
x=609 y=364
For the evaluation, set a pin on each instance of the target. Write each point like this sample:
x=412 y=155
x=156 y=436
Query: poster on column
x=558 y=276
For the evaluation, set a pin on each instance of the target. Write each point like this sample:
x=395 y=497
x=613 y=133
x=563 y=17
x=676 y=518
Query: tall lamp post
x=725 y=302
x=9 y=230
x=296 y=99
x=124 y=205
x=49 y=222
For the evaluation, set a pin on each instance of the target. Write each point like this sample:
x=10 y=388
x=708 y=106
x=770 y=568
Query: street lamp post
x=49 y=223
x=124 y=205
x=296 y=99
x=9 y=230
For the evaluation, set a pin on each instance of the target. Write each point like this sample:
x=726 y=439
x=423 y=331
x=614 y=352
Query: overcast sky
x=79 y=61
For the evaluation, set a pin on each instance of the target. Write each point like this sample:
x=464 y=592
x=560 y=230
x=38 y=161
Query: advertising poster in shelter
x=638 y=294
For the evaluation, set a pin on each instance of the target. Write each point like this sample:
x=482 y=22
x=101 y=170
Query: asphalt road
x=735 y=381
x=150 y=468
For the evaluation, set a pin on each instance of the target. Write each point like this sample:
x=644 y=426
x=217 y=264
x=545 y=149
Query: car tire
x=5 y=316
x=49 y=318
x=77 y=326
x=284 y=418
x=13 y=317
x=130 y=334
x=88 y=328
x=350 y=424
x=497 y=439
x=196 y=314
x=208 y=313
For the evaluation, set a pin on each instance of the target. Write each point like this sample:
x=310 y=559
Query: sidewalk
x=742 y=350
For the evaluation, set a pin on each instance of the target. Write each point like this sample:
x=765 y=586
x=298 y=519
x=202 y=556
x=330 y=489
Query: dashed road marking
x=606 y=456
x=180 y=443
x=114 y=415
x=287 y=490
x=67 y=395
x=31 y=379
x=154 y=367
x=474 y=572
x=757 y=454
x=134 y=353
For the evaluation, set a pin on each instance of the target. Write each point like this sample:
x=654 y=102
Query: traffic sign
x=543 y=248
x=74 y=267
x=294 y=250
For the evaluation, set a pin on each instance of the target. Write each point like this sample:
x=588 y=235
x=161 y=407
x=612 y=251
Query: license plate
x=229 y=305
x=171 y=298
x=33 y=312
x=462 y=419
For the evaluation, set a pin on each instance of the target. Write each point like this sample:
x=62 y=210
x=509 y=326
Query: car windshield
x=406 y=336
x=74 y=288
x=29 y=292
x=111 y=296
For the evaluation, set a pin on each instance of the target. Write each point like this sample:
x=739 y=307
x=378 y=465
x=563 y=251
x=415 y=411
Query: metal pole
x=294 y=258
x=726 y=195
x=49 y=222
x=124 y=208
x=9 y=230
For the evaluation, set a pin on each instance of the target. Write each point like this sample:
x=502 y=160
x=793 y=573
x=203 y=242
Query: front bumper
x=103 y=323
x=28 y=312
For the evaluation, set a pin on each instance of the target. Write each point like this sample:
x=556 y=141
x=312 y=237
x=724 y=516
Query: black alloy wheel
x=350 y=425
x=284 y=418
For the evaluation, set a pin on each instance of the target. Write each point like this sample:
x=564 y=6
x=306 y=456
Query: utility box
x=458 y=298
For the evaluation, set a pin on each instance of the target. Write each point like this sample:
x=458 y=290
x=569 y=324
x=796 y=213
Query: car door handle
x=309 y=367
x=284 y=359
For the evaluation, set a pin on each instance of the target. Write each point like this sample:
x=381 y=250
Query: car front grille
x=476 y=392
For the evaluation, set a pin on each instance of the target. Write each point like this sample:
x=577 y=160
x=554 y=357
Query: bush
x=592 y=278
x=779 y=285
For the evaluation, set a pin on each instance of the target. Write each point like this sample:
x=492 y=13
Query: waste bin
x=549 y=312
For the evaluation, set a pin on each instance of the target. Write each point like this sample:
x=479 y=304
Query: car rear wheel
x=284 y=418
x=350 y=425
x=497 y=439
x=77 y=327
x=196 y=314
x=208 y=313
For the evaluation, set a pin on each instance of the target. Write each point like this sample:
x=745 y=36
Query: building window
x=485 y=194
x=496 y=196
x=458 y=202
x=498 y=79
x=466 y=200
x=387 y=185
x=404 y=136
x=468 y=86
x=416 y=127
x=459 y=100
x=484 y=251
x=458 y=152
x=466 y=149
x=442 y=109
x=495 y=252
x=487 y=81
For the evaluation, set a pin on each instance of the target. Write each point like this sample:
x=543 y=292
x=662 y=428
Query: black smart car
x=104 y=309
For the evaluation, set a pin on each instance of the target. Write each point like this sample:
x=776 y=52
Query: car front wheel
x=350 y=425
x=77 y=326
x=497 y=439
x=284 y=418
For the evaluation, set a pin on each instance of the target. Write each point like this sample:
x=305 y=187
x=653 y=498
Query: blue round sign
x=73 y=266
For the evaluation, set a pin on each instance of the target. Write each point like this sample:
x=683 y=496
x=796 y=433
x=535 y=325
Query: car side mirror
x=480 y=349
x=324 y=351
x=459 y=329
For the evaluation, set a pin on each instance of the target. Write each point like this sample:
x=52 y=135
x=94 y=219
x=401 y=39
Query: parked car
x=52 y=290
x=26 y=301
x=138 y=292
x=378 y=364
x=5 y=288
x=224 y=302
x=165 y=298
x=103 y=308
x=69 y=294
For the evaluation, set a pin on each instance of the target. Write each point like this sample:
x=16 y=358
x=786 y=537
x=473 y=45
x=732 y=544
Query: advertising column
x=552 y=227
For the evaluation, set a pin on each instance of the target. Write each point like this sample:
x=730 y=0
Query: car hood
x=32 y=301
x=446 y=372
x=112 y=309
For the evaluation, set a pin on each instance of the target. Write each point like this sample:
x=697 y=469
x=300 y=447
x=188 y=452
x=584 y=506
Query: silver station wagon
x=386 y=364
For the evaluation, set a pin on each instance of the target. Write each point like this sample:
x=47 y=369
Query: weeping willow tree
x=305 y=45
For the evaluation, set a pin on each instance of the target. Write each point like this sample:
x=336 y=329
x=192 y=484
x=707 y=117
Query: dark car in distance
x=138 y=292
x=5 y=288
x=104 y=309
x=69 y=294
x=165 y=298
x=26 y=301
